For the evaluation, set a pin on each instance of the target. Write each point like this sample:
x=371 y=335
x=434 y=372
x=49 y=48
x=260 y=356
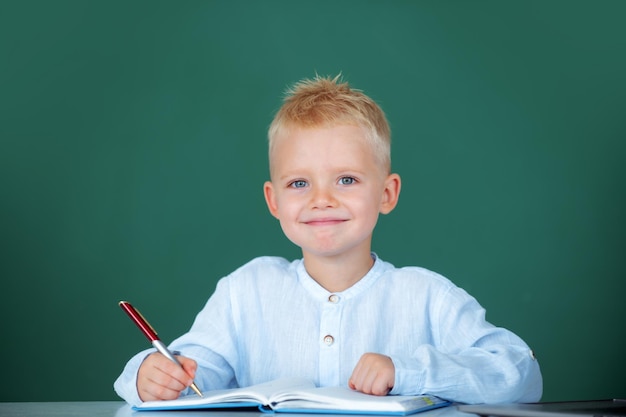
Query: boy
x=340 y=315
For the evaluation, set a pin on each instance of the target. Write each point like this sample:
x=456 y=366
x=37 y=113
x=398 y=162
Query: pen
x=151 y=334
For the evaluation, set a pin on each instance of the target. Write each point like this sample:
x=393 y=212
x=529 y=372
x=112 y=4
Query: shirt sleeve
x=470 y=360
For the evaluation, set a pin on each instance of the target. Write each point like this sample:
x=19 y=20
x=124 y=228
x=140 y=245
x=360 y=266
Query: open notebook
x=296 y=395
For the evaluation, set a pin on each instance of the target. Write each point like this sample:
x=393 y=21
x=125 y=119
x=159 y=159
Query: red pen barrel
x=138 y=319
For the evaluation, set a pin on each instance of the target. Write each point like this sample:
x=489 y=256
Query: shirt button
x=333 y=298
x=329 y=340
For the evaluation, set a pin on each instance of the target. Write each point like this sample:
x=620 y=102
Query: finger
x=177 y=373
x=351 y=384
x=157 y=385
x=367 y=381
x=361 y=381
x=189 y=366
x=373 y=374
x=152 y=392
x=380 y=386
x=355 y=379
x=159 y=378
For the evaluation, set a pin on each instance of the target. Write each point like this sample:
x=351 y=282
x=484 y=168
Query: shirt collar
x=319 y=292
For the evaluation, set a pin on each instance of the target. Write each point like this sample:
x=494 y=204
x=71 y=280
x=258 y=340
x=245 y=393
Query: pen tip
x=197 y=391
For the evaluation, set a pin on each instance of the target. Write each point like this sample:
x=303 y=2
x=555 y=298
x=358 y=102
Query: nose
x=322 y=197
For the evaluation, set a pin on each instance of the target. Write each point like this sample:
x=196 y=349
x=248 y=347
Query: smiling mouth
x=324 y=222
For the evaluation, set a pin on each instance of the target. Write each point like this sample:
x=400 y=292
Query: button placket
x=330 y=319
x=329 y=339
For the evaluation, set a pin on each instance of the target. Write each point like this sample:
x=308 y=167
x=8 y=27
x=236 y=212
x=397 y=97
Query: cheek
x=366 y=204
x=369 y=212
x=371 y=218
x=286 y=208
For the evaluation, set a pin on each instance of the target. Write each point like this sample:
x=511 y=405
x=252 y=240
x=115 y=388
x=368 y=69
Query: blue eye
x=346 y=180
x=298 y=184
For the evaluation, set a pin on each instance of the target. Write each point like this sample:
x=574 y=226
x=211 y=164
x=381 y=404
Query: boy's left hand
x=373 y=374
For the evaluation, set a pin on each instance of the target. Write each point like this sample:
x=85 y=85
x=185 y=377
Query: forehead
x=336 y=148
x=321 y=141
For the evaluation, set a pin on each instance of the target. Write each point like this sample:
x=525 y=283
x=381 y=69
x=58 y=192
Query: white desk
x=121 y=409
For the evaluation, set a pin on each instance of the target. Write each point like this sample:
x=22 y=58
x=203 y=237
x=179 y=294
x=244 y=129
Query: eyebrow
x=340 y=171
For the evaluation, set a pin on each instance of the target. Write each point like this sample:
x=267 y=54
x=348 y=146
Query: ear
x=270 y=198
x=391 y=193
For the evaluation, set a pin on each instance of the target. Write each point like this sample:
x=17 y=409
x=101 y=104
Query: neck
x=338 y=273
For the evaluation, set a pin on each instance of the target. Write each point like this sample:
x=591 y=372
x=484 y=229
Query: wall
x=132 y=158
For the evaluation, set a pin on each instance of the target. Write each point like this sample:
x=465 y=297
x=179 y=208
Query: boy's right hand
x=159 y=378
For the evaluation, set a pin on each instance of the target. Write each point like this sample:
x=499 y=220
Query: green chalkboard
x=132 y=158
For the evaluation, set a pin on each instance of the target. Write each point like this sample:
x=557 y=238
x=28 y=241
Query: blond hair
x=326 y=101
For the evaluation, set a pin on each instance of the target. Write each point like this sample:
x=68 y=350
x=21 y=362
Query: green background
x=133 y=153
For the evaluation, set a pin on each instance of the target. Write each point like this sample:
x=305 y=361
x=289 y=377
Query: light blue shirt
x=270 y=319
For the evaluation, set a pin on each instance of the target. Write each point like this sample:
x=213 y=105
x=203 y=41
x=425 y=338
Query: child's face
x=327 y=189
